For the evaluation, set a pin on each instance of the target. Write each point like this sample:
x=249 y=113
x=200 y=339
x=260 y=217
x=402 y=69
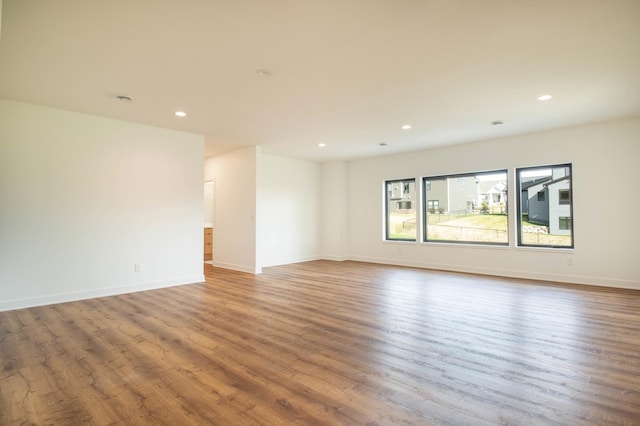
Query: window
x=545 y=221
x=466 y=208
x=564 y=223
x=400 y=210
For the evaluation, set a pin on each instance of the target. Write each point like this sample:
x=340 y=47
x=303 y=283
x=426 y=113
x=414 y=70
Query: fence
x=467 y=233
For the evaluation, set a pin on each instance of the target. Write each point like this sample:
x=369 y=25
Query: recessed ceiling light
x=124 y=98
x=181 y=114
x=264 y=72
x=321 y=145
x=406 y=127
x=544 y=97
x=497 y=122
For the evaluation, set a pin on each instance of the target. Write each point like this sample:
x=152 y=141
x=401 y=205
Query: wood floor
x=328 y=343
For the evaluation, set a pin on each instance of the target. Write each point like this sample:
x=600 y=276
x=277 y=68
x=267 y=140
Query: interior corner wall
x=333 y=210
x=288 y=209
x=234 y=236
x=85 y=198
x=605 y=205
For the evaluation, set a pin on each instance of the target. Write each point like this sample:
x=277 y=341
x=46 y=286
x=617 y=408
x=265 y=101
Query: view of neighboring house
x=402 y=194
x=401 y=209
x=466 y=194
x=494 y=194
x=547 y=200
x=525 y=184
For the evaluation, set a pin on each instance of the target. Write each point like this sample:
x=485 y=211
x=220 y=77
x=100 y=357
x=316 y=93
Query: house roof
x=492 y=186
x=563 y=178
x=526 y=184
x=289 y=75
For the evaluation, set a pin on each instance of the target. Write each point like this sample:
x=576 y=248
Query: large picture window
x=467 y=208
x=400 y=207
x=547 y=220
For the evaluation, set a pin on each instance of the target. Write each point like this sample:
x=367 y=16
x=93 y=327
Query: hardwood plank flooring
x=328 y=343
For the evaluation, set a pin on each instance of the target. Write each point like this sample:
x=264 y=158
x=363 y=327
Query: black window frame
x=519 y=214
x=459 y=178
x=388 y=199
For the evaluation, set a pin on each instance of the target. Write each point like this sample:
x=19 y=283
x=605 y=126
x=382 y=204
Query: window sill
x=465 y=245
x=399 y=242
x=546 y=249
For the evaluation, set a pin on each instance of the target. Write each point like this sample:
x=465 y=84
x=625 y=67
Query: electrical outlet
x=136 y=268
x=569 y=261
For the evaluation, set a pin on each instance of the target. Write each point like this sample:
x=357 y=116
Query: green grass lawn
x=402 y=226
x=482 y=221
x=544 y=239
x=487 y=228
x=491 y=228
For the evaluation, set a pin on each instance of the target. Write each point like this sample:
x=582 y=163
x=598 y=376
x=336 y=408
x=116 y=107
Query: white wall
x=264 y=195
x=84 y=199
x=288 y=210
x=235 y=176
x=605 y=180
x=333 y=211
x=266 y=209
x=209 y=189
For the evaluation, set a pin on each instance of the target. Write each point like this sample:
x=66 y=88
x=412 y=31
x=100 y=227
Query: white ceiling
x=347 y=73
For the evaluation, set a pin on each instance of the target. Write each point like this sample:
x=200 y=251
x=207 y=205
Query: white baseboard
x=289 y=261
x=92 y=294
x=335 y=258
x=542 y=276
x=112 y=291
x=239 y=268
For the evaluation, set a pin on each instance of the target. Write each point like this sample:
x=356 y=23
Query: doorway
x=209 y=219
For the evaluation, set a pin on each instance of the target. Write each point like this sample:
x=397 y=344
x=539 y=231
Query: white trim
x=239 y=268
x=400 y=242
x=465 y=244
x=543 y=249
x=92 y=294
x=510 y=273
x=292 y=260
x=334 y=258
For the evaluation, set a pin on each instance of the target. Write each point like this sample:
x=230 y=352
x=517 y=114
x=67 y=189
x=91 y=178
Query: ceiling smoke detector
x=264 y=72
